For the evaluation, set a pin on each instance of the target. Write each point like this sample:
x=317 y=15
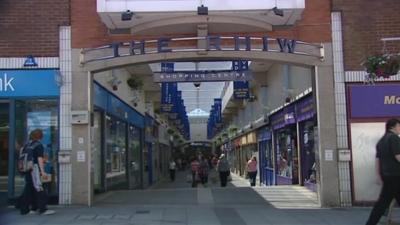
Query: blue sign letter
x=213 y=41
x=163 y=42
x=134 y=46
x=286 y=44
x=238 y=42
x=265 y=43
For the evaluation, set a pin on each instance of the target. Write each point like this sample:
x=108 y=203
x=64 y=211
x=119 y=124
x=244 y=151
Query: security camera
x=127 y=15
x=197 y=84
x=278 y=12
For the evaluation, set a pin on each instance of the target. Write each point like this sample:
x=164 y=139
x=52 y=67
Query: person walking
x=388 y=170
x=203 y=170
x=172 y=169
x=223 y=169
x=34 y=196
x=194 y=165
x=252 y=170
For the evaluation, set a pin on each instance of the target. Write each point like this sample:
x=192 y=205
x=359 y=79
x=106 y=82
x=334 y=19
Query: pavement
x=177 y=203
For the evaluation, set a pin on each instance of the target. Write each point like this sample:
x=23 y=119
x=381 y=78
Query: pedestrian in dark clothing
x=34 y=196
x=388 y=169
x=223 y=169
x=172 y=169
x=195 y=165
x=203 y=170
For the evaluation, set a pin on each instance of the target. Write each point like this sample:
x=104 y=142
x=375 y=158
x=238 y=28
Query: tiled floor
x=177 y=203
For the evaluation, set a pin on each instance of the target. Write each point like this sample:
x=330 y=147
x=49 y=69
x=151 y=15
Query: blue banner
x=168 y=95
x=32 y=83
x=240 y=65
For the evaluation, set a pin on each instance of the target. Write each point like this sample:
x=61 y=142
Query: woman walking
x=252 y=170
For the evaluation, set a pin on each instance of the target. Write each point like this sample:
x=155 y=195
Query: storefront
x=283 y=125
x=369 y=108
x=149 y=152
x=29 y=99
x=307 y=123
x=236 y=166
x=266 y=158
x=117 y=143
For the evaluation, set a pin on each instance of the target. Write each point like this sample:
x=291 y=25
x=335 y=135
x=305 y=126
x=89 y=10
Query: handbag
x=45 y=179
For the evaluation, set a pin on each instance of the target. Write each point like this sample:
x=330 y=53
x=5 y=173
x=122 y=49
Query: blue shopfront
x=118 y=143
x=149 y=151
x=266 y=164
x=29 y=99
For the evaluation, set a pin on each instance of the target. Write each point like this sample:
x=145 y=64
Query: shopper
x=34 y=198
x=172 y=169
x=194 y=165
x=252 y=170
x=203 y=170
x=388 y=170
x=223 y=169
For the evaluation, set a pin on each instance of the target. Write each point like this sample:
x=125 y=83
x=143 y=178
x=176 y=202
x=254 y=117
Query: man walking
x=388 y=169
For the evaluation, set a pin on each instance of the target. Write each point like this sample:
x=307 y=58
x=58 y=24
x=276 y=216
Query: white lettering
x=391 y=100
x=5 y=83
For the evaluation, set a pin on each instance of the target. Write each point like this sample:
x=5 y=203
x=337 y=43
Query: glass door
x=4 y=150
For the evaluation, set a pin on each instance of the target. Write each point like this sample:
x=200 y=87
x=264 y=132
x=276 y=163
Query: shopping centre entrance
x=260 y=51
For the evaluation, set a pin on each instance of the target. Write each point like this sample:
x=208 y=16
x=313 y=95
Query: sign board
x=328 y=155
x=371 y=101
x=201 y=76
x=241 y=89
x=80 y=157
x=344 y=155
x=22 y=83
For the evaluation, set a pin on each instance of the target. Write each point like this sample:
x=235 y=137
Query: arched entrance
x=280 y=51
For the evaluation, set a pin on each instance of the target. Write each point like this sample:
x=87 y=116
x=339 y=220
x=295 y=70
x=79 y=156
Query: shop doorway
x=4 y=150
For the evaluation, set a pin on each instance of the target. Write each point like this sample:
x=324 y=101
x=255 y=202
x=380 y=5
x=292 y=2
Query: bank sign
x=28 y=83
x=371 y=101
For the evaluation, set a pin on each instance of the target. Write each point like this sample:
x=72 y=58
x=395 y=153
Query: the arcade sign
x=193 y=76
x=212 y=43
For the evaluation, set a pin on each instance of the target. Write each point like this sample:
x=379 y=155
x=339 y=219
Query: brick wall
x=364 y=24
x=89 y=31
x=31 y=27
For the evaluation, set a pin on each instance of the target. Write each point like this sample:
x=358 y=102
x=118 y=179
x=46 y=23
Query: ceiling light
x=278 y=12
x=127 y=15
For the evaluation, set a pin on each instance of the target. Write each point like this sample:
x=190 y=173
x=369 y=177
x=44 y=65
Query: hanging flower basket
x=134 y=83
x=384 y=66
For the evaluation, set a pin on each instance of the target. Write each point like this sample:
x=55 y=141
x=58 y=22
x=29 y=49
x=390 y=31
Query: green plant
x=134 y=83
x=170 y=131
x=382 y=66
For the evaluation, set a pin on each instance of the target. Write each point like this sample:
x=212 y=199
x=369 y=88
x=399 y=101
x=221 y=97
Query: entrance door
x=4 y=150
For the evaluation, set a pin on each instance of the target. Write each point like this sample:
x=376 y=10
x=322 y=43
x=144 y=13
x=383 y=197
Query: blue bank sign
x=28 y=83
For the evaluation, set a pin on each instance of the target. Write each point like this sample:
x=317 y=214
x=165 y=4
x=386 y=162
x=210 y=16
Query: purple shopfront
x=293 y=134
x=369 y=106
x=306 y=120
x=285 y=145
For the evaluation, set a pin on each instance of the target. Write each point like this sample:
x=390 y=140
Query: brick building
x=63 y=36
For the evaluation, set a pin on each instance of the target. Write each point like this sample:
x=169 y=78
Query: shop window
x=97 y=151
x=115 y=147
x=287 y=156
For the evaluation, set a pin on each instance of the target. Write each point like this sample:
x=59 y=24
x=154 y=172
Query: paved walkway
x=176 y=203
